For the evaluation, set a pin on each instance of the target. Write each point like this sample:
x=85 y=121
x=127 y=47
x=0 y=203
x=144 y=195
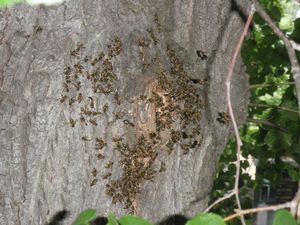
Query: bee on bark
x=93 y=122
x=109 y=165
x=63 y=98
x=75 y=52
x=72 y=122
x=85 y=138
x=105 y=176
x=93 y=182
x=79 y=97
x=100 y=156
x=94 y=172
x=201 y=55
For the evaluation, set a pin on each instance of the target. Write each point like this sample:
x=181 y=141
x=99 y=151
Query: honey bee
x=117 y=98
x=86 y=112
x=82 y=119
x=96 y=113
x=92 y=103
x=63 y=98
x=109 y=165
x=66 y=87
x=85 y=138
x=79 y=97
x=105 y=176
x=72 y=122
x=117 y=139
x=201 y=55
x=100 y=156
x=37 y=29
x=93 y=182
x=67 y=70
x=94 y=172
x=78 y=67
x=127 y=122
x=71 y=101
x=162 y=167
x=93 y=122
x=75 y=52
x=77 y=85
x=105 y=108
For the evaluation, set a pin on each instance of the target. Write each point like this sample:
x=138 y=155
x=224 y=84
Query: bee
x=96 y=113
x=162 y=167
x=100 y=156
x=93 y=182
x=78 y=67
x=63 y=98
x=93 y=122
x=105 y=108
x=75 y=52
x=109 y=165
x=72 y=122
x=105 y=176
x=86 y=112
x=86 y=58
x=79 y=97
x=82 y=119
x=71 y=101
x=85 y=138
x=77 y=85
x=127 y=122
x=37 y=29
x=117 y=139
x=117 y=98
x=223 y=117
x=100 y=143
x=66 y=87
x=201 y=55
x=67 y=70
x=94 y=172
x=92 y=103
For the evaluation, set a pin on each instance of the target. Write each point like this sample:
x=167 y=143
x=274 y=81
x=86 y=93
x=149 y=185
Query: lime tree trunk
x=115 y=105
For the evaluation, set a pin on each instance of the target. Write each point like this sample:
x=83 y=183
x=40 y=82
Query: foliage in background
x=275 y=146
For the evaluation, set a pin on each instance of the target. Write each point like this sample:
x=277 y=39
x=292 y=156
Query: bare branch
x=274 y=106
x=267 y=123
x=229 y=195
x=268 y=85
x=260 y=209
x=295 y=45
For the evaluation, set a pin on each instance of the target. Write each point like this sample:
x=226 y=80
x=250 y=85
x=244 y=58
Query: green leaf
x=85 y=217
x=8 y=2
x=133 y=220
x=283 y=217
x=112 y=219
x=206 y=219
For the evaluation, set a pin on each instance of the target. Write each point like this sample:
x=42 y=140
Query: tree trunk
x=115 y=105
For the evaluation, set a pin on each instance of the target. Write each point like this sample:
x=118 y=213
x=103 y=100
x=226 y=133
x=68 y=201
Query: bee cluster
x=176 y=104
x=176 y=101
x=97 y=77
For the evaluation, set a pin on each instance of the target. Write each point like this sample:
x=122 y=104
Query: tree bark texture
x=115 y=105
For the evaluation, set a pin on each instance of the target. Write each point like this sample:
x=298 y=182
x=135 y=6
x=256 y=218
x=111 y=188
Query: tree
x=118 y=106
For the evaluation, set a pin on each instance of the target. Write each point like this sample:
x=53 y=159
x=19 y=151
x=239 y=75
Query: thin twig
x=274 y=106
x=226 y=196
x=295 y=68
x=259 y=209
x=269 y=85
x=267 y=123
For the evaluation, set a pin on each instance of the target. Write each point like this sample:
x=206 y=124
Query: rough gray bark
x=151 y=89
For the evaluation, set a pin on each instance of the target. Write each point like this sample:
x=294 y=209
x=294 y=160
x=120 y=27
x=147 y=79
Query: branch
x=229 y=195
x=295 y=45
x=274 y=106
x=260 y=209
x=267 y=123
x=268 y=85
x=236 y=131
x=295 y=68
